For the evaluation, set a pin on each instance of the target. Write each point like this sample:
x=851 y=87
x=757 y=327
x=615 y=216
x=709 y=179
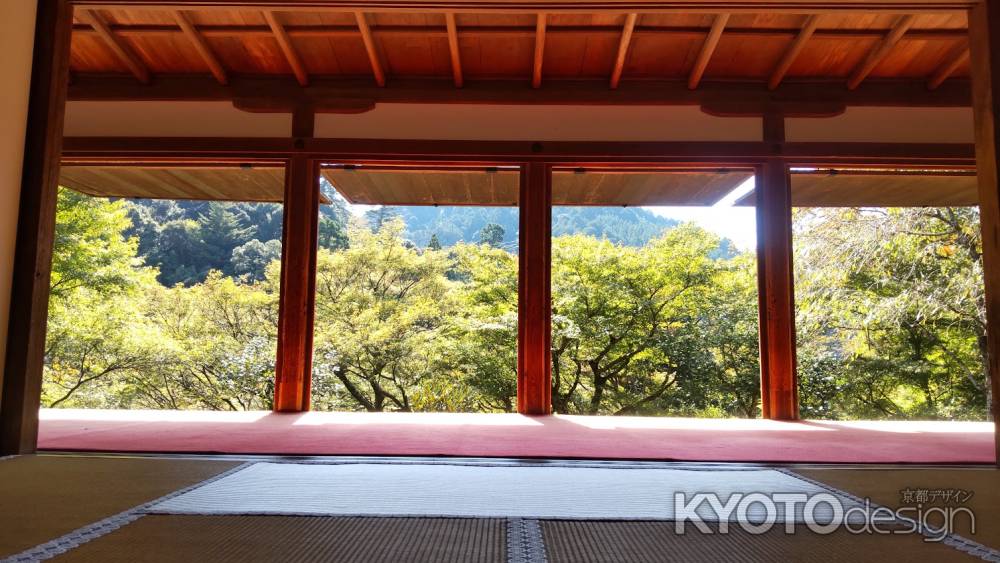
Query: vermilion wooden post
x=29 y=304
x=534 y=305
x=293 y=374
x=779 y=389
x=984 y=43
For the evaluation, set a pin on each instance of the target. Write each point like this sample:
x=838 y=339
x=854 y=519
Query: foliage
x=174 y=305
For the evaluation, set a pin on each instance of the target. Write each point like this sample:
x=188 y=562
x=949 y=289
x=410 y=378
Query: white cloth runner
x=559 y=492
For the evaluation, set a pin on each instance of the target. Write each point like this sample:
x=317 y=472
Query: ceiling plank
x=373 y=56
x=214 y=65
x=456 y=58
x=808 y=29
x=287 y=48
x=623 y=45
x=95 y=20
x=711 y=42
x=536 y=75
x=902 y=25
x=953 y=60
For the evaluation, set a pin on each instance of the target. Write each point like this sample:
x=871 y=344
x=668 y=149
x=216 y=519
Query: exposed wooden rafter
x=95 y=20
x=373 y=56
x=456 y=58
x=884 y=47
x=808 y=29
x=214 y=65
x=536 y=73
x=623 y=45
x=285 y=42
x=711 y=42
x=956 y=58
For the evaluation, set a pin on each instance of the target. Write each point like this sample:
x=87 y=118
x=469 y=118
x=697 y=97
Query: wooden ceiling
x=881 y=188
x=767 y=48
x=230 y=183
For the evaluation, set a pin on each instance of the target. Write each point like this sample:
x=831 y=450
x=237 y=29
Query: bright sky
x=737 y=223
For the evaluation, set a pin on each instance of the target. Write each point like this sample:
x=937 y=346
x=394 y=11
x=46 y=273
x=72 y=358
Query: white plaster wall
x=171 y=119
x=17 y=31
x=537 y=123
x=887 y=125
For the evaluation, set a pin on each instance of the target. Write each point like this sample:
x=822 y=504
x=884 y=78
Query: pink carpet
x=510 y=435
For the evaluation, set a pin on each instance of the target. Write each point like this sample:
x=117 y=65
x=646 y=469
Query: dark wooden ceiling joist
x=202 y=47
x=536 y=72
x=707 y=49
x=373 y=55
x=808 y=29
x=285 y=43
x=353 y=95
x=623 y=45
x=125 y=54
x=902 y=25
x=453 y=51
x=956 y=58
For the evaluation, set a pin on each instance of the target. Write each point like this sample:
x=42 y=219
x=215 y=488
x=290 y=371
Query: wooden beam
x=536 y=73
x=534 y=301
x=808 y=29
x=884 y=47
x=370 y=47
x=456 y=58
x=297 y=299
x=984 y=44
x=711 y=42
x=201 y=45
x=285 y=43
x=623 y=45
x=95 y=20
x=23 y=366
x=343 y=95
x=956 y=58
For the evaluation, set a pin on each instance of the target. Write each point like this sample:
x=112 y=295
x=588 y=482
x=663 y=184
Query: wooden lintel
x=707 y=49
x=285 y=43
x=956 y=58
x=456 y=57
x=792 y=53
x=534 y=304
x=536 y=72
x=373 y=55
x=297 y=299
x=202 y=46
x=25 y=352
x=984 y=44
x=125 y=54
x=623 y=45
x=879 y=52
x=283 y=94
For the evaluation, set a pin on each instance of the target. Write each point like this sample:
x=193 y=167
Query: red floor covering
x=510 y=435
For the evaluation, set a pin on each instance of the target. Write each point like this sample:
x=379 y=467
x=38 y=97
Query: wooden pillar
x=22 y=381
x=534 y=305
x=779 y=386
x=300 y=231
x=984 y=44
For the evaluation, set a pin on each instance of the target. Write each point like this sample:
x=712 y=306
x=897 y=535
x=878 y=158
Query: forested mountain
x=185 y=240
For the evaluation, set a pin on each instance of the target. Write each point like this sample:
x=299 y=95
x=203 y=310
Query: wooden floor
x=511 y=435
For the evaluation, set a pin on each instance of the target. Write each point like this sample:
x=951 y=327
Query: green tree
x=492 y=234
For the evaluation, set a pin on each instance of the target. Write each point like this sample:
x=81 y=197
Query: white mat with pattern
x=556 y=492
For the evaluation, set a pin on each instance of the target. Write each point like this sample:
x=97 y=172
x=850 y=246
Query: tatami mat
x=248 y=539
x=886 y=486
x=657 y=542
x=479 y=491
x=44 y=497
